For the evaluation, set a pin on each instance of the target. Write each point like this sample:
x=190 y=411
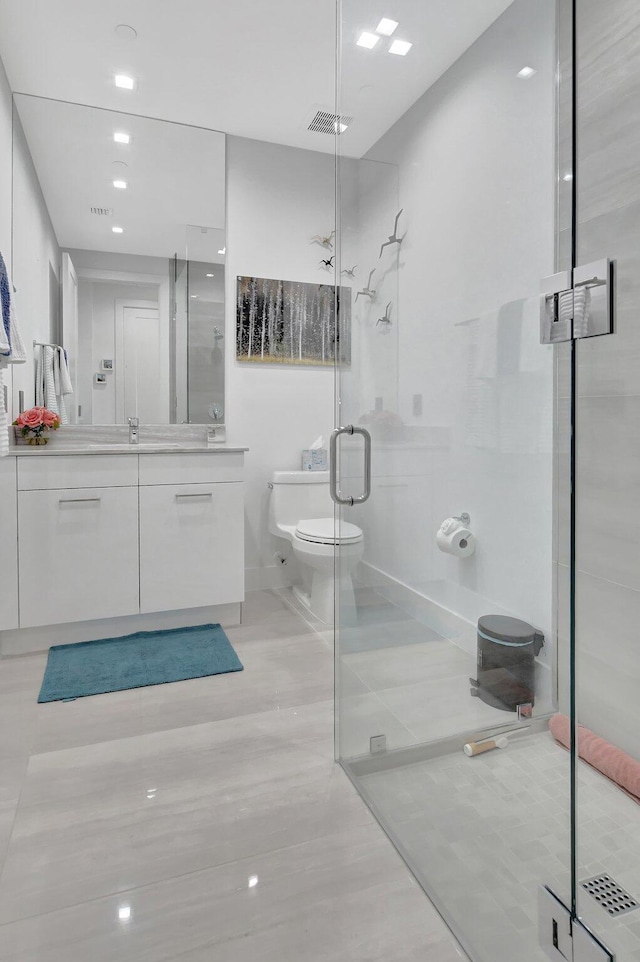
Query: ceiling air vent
x=325 y=122
x=102 y=211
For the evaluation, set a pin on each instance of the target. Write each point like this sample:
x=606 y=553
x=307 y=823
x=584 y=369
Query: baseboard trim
x=268 y=577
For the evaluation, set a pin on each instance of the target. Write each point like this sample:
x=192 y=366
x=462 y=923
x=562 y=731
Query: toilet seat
x=323 y=531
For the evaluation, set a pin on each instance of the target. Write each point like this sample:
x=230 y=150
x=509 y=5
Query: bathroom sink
x=106 y=446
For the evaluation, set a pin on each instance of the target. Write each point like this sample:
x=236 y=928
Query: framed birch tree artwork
x=289 y=322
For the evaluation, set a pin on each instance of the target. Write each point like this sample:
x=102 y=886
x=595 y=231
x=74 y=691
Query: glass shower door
x=453 y=207
x=607 y=401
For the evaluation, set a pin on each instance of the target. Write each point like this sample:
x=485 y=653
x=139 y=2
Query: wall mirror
x=134 y=267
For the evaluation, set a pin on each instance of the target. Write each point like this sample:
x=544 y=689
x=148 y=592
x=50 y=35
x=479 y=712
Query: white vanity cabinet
x=191 y=531
x=78 y=558
x=102 y=536
x=9 y=545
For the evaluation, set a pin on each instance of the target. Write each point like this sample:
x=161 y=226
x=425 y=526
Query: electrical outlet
x=377 y=744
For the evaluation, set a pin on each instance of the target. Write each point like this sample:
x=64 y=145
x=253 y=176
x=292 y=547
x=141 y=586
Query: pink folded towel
x=601 y=755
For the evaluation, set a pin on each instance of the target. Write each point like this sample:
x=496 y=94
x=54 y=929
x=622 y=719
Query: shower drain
x=611 y=896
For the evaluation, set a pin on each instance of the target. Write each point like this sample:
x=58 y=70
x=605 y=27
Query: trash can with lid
x=507 y=649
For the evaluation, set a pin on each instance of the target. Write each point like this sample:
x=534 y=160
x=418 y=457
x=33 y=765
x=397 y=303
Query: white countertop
x=51 y=450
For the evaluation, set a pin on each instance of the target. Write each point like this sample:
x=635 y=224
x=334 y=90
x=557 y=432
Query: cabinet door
x=9 y=542
x=78 y=554
x=191 y=545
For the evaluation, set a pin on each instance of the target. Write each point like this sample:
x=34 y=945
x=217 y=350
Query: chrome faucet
x=134 y=424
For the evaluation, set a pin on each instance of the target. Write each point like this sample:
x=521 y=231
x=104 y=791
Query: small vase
x=35 y=437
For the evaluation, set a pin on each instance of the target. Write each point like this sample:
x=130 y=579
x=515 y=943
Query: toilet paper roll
x=455 y=539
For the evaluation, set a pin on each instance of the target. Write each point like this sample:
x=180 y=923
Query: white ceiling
x=247 y=67
x=175 y=176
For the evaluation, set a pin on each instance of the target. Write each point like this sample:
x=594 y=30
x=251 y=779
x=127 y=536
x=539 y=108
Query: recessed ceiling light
x=123 y=80
x=117 y=230
x=124 y=913
x=400 y=47
x=125 y=32
x=568 y=176
x=526 y=73
x=368 y=40
x=223 y=251
x=120 y=184
x=210 y=275
x=121 y=138
x=252 y=881
x=386 y=27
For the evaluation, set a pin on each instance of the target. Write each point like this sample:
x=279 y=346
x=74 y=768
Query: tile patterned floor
x=486 y=831
x=204 y=820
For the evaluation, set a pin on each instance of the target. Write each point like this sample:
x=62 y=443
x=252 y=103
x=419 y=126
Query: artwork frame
x=292 y=322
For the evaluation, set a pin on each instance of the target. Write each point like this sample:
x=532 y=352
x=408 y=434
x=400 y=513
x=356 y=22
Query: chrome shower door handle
x=333 y=465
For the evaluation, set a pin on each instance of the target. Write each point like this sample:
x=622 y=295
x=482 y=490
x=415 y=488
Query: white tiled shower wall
x=471 y=165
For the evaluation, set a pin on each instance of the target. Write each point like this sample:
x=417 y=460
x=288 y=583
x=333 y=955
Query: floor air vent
x=607 y=893
x=325 y=122
x=102 y=211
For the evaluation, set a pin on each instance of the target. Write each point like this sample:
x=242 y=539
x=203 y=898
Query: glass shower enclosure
x=497 y=600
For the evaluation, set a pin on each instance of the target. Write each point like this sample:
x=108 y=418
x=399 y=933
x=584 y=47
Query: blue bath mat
x=135 y=661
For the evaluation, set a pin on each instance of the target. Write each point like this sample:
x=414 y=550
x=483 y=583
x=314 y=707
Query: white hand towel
x=50 y=400
x=65 y=378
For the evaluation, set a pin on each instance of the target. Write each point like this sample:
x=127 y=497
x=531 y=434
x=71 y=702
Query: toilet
x=301 y=511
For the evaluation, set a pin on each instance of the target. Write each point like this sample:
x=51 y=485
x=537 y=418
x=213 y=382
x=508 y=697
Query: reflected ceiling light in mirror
x=400 y=47
x=124 y=81
x=526 y=73
x=568 y=176
x=120 y=184
x=212 y=275
x=120 y=137
x=124 y=913
x=118 y=230
x=386 y=27
x=223 y=251
x=194 y=295
x=368 y=40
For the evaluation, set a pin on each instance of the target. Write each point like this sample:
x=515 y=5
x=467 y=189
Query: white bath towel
x=4 y=421
x=61 y=382
x=39 y=375
x=18 y=353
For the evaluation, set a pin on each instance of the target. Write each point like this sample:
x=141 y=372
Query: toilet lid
x=322 y=531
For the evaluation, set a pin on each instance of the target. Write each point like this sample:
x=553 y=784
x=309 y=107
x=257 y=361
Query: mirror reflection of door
x=69 y=338
x=139 y=390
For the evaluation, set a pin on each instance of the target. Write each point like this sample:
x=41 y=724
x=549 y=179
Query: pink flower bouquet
x=35 y=423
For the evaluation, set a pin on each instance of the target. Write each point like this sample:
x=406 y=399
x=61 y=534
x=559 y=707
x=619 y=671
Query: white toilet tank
x=296 y=495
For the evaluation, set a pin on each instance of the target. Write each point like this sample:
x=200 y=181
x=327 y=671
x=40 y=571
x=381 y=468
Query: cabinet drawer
x=191 y=468
x=77 y=471
x=191 y=545
x=78 y=554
